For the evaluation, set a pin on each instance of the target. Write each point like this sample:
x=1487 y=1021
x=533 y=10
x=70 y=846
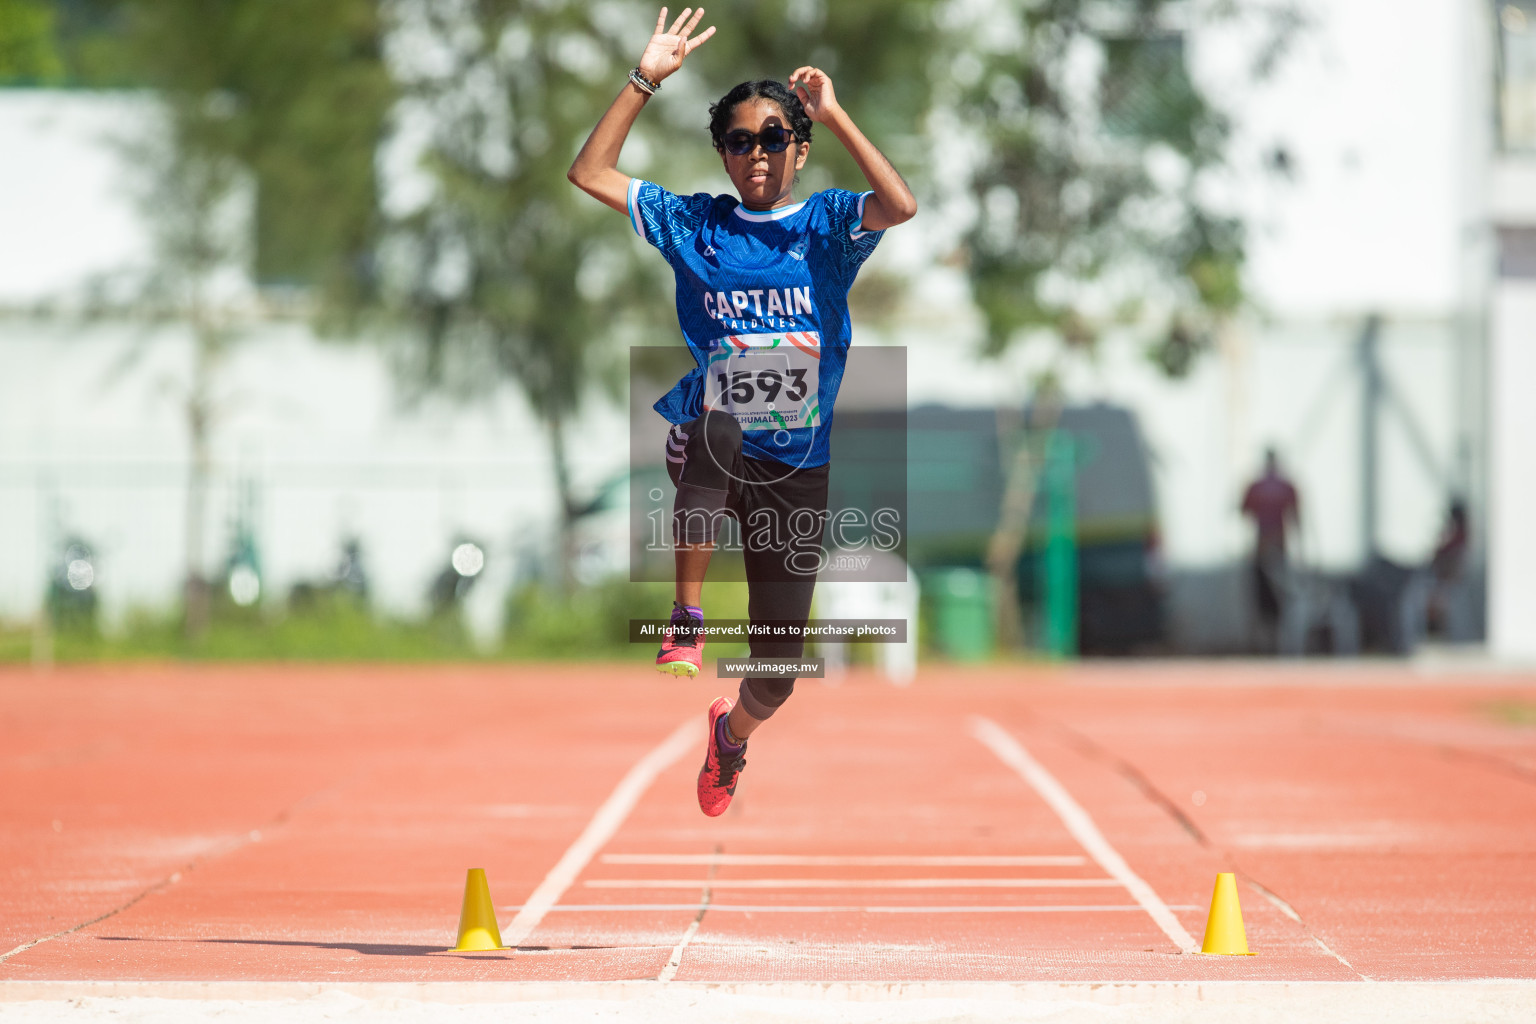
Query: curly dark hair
x=776 y=92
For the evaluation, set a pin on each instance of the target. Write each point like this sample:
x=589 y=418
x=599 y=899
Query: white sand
x=651 y=1003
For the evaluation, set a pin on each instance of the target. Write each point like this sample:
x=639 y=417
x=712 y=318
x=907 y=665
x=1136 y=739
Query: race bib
x=766 y=381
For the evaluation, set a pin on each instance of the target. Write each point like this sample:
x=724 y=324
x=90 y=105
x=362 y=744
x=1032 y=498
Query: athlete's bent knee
x=760 y=697
x=720 y=432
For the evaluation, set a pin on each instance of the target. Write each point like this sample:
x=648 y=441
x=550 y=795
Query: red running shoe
x=717 y=779
x=682 y=646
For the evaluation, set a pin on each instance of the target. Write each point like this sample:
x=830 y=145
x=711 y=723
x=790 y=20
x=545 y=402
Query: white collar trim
x=766 y=215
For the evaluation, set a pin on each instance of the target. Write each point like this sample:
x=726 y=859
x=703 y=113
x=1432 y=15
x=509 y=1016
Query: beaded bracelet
x=642 y=83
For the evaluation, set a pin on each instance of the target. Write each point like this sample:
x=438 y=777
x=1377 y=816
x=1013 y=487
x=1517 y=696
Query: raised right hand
x=665 y=52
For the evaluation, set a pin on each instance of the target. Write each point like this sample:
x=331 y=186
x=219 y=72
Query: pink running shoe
x=682 y=647
x=717 y=779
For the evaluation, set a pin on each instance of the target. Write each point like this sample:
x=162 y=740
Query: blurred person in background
x=1447 y=570
x=1273 y=504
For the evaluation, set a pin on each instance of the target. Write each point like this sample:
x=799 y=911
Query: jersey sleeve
x=850 y=243
x=663 y=218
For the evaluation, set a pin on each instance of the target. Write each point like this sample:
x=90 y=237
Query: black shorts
x=781 y=511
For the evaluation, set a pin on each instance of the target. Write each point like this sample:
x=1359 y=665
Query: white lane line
x=676 y=959
x=717 y=908
x=1289 y=911
x=874 y=860
x=855 y=883
x=218 y=849
x=599 y=830
x=1077 y=821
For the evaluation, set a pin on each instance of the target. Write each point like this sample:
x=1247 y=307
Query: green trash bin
x=962 y=613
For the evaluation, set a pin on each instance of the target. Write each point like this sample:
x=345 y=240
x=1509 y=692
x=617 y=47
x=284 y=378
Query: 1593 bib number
x=767 y=381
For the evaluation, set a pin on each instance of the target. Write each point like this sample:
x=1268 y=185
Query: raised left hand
x=665 y=52
x=815 y=91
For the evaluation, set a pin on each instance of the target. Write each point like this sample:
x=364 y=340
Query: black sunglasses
x=773 y=139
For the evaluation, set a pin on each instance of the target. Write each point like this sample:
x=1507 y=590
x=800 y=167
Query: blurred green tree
x=298 y=96
x=64 y=43
x=506 y=273
x=1096 y=149
x=28 y=52
x=273 y=111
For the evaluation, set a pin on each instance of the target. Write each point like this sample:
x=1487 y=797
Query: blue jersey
x=762 y=298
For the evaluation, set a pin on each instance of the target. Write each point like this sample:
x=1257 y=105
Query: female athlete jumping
x=762 y=299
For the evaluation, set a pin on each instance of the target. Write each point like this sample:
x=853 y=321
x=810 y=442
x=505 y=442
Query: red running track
x=297 y=823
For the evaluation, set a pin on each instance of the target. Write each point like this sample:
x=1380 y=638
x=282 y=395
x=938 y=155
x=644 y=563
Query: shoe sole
x=677 y=668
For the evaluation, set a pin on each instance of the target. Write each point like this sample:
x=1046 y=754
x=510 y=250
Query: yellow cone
x=477 y=921
x=1224 y=928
